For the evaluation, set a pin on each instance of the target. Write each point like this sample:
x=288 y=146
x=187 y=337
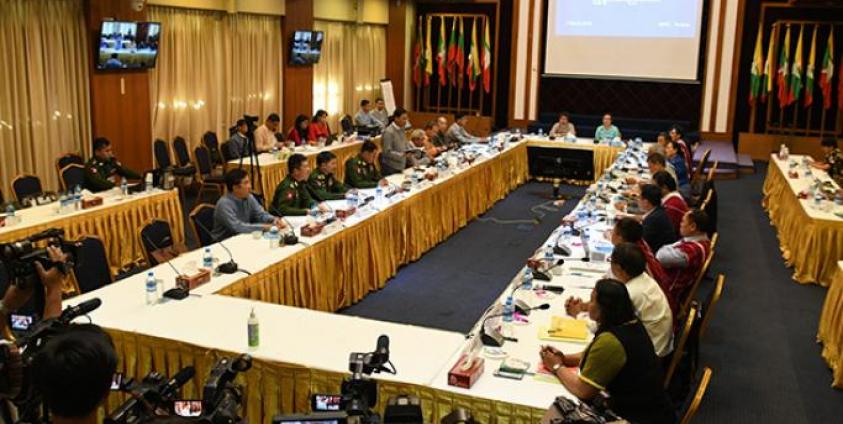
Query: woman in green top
x=620 y=360
x=607 y=131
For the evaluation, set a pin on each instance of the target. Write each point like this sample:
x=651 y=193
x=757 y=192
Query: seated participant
x=658 y=231
x=607 y=131
x=428 y=151
x=832 y=159
x=363 y=118
x=360 y=171
x=628 y=230
x=292 y=196
x=651 y=304
x=661 y=140
x=380 y=115
x=265 y=134
x=442 y=131
x=619 y=360
x=323 y=183
x=563 y=128
x=655 y=163
x=672 y=202
x=318 y=128
x=103 y=171
x=684 y=259
x=437 y=139
x=457 y=134
x=397 y=155
x=298 y=134
x=238 y=144
x=674 y=156
x=676 y=135
x=238 y=212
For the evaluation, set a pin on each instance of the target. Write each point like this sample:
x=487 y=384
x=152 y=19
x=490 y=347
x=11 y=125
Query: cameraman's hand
x=53 y=282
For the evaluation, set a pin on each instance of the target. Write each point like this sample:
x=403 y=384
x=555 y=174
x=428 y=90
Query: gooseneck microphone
x=495 y=338
x=72 y=312
x=229 y=267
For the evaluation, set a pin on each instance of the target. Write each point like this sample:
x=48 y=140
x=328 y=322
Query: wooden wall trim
x=715 y=93
x=513 y=63
x=396 y=34
x=736 y=63
x=298 y=80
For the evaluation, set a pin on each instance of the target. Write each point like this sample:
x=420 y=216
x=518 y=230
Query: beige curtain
x=44 y=104
x=352 y=64
x=212 y=69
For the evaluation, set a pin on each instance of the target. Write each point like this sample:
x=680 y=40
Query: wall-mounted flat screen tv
x=306 y=47
x=128 y=45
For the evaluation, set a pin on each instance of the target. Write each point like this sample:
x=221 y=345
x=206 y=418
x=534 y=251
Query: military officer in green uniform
x=292 y=196
x=322 y=183
x=832 y=160
x=102 y=170
x=360 y=171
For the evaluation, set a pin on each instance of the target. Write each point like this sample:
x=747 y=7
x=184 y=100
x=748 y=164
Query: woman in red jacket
x=298 y=134
x=319 y=127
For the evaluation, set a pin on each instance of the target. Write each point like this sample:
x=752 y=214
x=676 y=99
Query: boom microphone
x=71 y=312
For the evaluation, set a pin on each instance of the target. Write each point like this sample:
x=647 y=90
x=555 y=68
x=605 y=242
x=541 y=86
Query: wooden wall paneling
x=715 y=94
x=736 y=60
x=298 y=80
x=396 y=34
x=120 y=105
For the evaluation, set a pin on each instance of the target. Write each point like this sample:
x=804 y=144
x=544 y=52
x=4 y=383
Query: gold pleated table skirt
x=810 y=246
x=340 y=270
x=118 y=225
x=604 y=155
x=830 y=333
x=273 y=387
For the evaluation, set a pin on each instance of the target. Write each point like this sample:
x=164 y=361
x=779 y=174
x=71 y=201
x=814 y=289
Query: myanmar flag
x=809 y=73
x=756 y=71
x=767 y=80
x=460 y=59
x=418 y=66
x=487 y=60
x=796 y=73
x=473 y=70
x=784 y=58
x=440 y=53
x=827 y=73
x=452 y=52
x=428 y=55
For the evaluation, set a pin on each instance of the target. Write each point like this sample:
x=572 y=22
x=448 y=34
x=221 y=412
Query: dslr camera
x=19 y=257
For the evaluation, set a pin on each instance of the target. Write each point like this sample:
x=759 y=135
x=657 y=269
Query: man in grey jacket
x=457 y=134
x=238 y=212
x=397 y=151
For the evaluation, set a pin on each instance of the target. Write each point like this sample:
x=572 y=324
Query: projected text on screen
x=627 y=18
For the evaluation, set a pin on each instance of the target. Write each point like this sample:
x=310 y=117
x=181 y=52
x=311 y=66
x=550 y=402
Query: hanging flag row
x=791 y=77
x=452 y=65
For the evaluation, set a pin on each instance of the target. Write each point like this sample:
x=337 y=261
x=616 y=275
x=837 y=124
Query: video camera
x=19 y=256
x=251 y=123
x=155 y=397
x=16 y=360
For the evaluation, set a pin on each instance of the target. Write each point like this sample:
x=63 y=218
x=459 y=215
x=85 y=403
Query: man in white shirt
x=363 y=117
x=458 y=135
x=265 y=134
x=380 y=114
x=629 y=266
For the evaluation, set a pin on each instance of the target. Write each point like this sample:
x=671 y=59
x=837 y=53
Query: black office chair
x=67 y=159
x=155 y=235
x=25 y=186
x=71 y=176
x=202 y=221
x=206 y=177
x=162 y=158
x=91 y=269
x=347 y=125
x=209 y=140
x=225 y=150
x=182 y=151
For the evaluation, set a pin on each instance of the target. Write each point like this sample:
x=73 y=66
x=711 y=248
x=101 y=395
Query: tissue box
x=91 y=202
x=458 y=377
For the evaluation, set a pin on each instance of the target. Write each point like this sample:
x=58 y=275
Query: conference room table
x=830 y=332
x=604 y=153
x=810 y=235
x=273 y=168
x=116 y=222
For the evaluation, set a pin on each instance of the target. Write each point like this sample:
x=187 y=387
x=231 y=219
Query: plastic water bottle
x=508 y=310
x=527 y=279
x=273 y=237
x=351 y=197
x=314 y=212
x=124 y=187
x=151 y=289
x=548 y=256
x=208 y=259
x=77 y=197
x=10 y=215
x=379 y=194
x=838 y=198
x=63 y=203
x=541 y=132
x=253 y=330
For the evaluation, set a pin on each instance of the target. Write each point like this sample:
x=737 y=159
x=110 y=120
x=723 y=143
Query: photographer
x=73 y=372
x=16 y=296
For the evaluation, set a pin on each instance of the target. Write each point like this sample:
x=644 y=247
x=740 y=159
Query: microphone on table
x=495 y=338
x=71 y=312
x=177 y=292
x=229 y=267
x=290 y=238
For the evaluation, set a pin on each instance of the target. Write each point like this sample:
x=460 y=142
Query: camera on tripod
x=19 y=257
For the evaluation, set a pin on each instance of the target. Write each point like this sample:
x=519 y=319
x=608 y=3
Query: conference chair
x=708 y=308
x=691 y=411
x=698 y=171
x=205 y=176
x=209 y=140
x=225 y=151
x=91 y=269
x=181 y=151
x=679 y=347
x=71 y=176
x=162 y=158
x=713 y=242
x=67 y=159
x=709 y=205
x=712 y=171
x=203 y=216
x=157 y=240
x=692 y=293
x=25 y=186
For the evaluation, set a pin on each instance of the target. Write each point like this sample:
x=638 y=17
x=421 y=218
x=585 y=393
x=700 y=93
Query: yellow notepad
x=564 y=329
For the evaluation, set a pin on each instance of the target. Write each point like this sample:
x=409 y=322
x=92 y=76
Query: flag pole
x=482 y=85
x=781 y=107
x=438 y=69
x=773 y=33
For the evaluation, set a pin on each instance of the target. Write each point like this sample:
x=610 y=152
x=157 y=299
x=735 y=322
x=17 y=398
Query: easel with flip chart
x=388 y=95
